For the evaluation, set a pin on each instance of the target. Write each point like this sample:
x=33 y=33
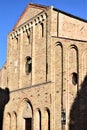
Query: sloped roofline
x=43 y=7
x=33 y=5
x=71 y=15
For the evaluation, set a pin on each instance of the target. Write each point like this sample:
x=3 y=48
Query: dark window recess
x=47 y=68
x=42 y=26
x=28 y=124
x=28 y=65
x=74 y=78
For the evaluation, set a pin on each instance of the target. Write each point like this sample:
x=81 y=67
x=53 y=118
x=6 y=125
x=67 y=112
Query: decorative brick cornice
x=26 y=26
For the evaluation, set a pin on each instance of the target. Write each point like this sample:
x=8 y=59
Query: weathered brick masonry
x=45 y=71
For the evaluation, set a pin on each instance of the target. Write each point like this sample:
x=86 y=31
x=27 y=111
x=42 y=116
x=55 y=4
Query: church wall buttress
x=58 y=83
x=33 y=54
x=40 y=53
x=13 y=64
x=25 y=51
x=73 y=72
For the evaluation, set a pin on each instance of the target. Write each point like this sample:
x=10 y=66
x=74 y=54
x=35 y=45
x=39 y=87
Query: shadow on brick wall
x=78 y=112
x=4 y=98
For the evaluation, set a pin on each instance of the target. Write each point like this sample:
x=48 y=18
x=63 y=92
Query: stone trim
x=36 y=20
x=29 y=87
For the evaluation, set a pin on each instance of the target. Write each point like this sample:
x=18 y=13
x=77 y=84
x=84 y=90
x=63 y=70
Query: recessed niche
x=74 y=78
x=28 y=65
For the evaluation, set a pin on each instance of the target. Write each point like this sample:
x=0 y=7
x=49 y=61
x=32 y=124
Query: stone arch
x=41 y=30
x=72 y=61
x=58 y=62
x=59 y=43
x=8 y=121
x=25 y=114
x=73 y=73
x=14 y=121
x=73 y=46
x=26 y=38
x=47 y=119
x=37 y=119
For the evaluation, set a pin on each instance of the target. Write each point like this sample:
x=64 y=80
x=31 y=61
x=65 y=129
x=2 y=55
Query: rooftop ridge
x=38 y=5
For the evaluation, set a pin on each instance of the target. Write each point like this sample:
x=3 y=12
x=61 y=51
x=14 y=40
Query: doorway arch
x=25 y=115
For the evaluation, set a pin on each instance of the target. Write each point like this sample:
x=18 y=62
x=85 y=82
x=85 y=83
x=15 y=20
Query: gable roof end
x=31 y=5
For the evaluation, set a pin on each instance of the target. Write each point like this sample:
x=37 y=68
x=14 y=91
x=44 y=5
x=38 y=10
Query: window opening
x=39 y=120
x=28 y=123
x=48 y=119
x=28 y=37
x=28 y=66
x=41 y=30
x=42 y=26
x=74 y=78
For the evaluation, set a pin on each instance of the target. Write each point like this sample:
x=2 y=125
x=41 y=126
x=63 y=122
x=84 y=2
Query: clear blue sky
x=10 y=11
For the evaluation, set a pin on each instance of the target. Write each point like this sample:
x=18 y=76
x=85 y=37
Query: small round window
x=74 y=78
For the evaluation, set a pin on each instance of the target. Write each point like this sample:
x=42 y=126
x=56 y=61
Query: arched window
x=47 y=119
x=8 y=122
x=38 y=120
x=28 y=65
x=14 y=121
x=27 y=115
x=74 y=78
x=41 y=30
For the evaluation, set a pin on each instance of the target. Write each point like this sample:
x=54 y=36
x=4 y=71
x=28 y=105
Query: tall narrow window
x=28 y=65
x=42 y=26
x=47 y=120
x=41 y=30
x=8 y=122
x=38 y=120
x=14 y=121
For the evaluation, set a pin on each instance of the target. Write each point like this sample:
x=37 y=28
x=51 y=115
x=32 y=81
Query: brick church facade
x=44 y=78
